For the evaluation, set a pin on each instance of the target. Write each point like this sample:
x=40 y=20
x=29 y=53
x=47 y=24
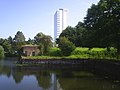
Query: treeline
x=100 y=28
x=12 y=46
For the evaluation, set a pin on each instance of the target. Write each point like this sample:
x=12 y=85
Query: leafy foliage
x=30 y=41
x=66 y=46
x=1 y=52
x=55 y=52
x=38 y=37
x=103 y=24
x=74 y=34
x=94 y=53
x=7 y=45
x=19 y=37
x=44 y=42
x=69 y=33
x=18 y=41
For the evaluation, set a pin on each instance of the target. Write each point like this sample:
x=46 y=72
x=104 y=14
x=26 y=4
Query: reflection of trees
x=65 y=79
x=9 y=70
x=67 y=73
x=44 y=79
x=5 y=70
x=1 y=69
x=18 y=76
x=83 y=81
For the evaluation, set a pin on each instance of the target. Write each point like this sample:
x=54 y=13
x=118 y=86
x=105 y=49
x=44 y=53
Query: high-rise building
x=60 y=22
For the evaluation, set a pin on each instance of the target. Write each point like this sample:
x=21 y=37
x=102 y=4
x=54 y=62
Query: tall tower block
x=60 y=22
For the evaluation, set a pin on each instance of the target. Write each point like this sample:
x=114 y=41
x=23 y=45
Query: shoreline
x=61 y=60
x=110 y=68
x=66 y=57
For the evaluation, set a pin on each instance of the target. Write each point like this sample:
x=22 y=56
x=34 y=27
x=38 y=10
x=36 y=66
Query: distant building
x=30 y=50
x=60 y=22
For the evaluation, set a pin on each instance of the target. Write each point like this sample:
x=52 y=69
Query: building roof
x=30 y=45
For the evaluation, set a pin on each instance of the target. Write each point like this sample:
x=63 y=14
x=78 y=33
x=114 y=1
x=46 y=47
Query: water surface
x=63 y=77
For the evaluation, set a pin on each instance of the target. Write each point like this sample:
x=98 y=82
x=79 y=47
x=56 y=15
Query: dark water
x=63 y=77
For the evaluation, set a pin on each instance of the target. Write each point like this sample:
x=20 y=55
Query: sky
x=34 y=16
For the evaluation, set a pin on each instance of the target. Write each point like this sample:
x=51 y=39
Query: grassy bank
x=80 y=53
x=41 y=57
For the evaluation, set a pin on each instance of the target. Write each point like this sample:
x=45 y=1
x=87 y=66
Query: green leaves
x=74 y=34
x=19 y=37
x=66 y=46
x=1 y=52
x=44 y=42
x=103 y=24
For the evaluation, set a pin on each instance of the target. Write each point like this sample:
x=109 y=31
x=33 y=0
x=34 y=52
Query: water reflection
x=49 y=78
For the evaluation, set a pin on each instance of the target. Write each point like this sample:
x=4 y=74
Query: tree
x=80 y=30
x=38 y=37
x=44 y=42
x=7 y=47
x=41 y=48
x=69 y=33
x=19 y=40
x=30 y=41
x=74 y=34
x=19 y=37
x=90 y=36
x=1 y=52
x=17 y=47
x=103 y=24
x=66 y=46
x=10 y=39
x=1 y=41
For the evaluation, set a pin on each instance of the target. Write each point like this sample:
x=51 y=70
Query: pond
x=52 y=77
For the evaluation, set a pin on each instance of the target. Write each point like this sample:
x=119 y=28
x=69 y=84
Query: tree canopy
x=19 y=37
x=44 y=42
x=103 y=24
x=74 y=34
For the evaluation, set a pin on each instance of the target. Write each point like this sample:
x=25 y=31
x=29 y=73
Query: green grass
x=41 y=57
x=79 y=53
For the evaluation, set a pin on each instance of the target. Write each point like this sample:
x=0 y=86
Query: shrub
x=97 y=52
x=80 y=51
x=94 y=52
x=111 y=53
x=55 y=52
x=66 y=46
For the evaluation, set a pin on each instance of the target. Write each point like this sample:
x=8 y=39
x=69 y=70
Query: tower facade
x=60 y=22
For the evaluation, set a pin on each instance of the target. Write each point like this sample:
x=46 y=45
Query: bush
x=80 y=51
x=95 y=52
x=66 y=46
x=111 y=53
x=1 y=52
x=55 y=52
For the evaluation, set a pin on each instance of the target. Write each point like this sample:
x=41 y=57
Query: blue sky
x=34 y=16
